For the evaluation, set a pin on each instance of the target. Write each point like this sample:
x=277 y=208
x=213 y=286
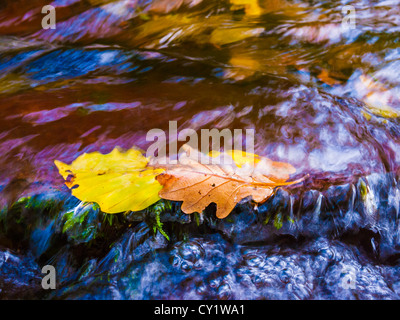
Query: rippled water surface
x=320 y=97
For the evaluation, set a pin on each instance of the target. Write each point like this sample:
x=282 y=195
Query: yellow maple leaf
x=117 y=182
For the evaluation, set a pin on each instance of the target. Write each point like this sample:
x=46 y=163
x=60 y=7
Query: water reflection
x=320 y=98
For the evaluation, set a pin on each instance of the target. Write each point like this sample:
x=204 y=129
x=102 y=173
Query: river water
x=319 y=93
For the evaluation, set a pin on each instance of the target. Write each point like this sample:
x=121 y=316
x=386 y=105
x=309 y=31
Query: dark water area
x=322 y=98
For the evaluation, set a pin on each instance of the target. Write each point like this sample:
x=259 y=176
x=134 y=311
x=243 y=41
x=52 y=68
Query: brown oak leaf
x=199 y=180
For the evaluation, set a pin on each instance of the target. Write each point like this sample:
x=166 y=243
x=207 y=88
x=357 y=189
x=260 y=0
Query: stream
x=318 y=95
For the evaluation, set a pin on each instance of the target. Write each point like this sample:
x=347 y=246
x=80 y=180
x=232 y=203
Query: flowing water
x=319 y=96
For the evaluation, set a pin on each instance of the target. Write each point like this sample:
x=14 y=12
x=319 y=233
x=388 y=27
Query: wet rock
x=210 y=268
x=131 y=249
x=338 y=243
x=20 y=276
x=31 y=221
x=83 y=223
x=42 y=237
x=367 y=210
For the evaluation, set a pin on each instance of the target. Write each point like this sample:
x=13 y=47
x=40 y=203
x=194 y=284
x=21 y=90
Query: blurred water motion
x=112 y=70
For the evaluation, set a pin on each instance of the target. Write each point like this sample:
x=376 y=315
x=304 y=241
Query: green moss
x=278 y=219
x=83 y=223
x=157 y=209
